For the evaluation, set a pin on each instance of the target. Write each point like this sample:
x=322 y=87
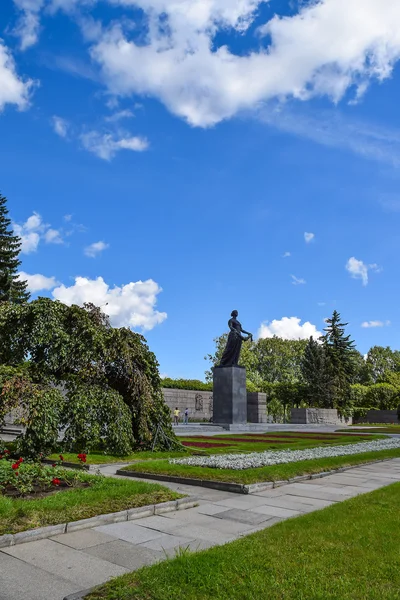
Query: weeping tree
x=108 y=377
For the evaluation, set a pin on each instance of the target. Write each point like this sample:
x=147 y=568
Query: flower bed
x=263 y=459
x=191 y=444
x=33 y=479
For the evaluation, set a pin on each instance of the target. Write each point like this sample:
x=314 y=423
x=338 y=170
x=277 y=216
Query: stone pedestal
x=229 y=396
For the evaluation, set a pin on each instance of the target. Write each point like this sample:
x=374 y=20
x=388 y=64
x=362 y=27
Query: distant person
x=177 y=412
x=186 y=416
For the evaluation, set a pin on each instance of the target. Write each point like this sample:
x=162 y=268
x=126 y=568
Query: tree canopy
x=78 y=351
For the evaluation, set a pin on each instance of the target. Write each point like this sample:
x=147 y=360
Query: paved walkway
x=53 y=568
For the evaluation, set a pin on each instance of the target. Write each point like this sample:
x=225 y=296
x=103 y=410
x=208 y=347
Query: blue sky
x=164 y=157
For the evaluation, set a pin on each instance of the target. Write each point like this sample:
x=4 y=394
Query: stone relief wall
x=199 y=403
x=317 y=416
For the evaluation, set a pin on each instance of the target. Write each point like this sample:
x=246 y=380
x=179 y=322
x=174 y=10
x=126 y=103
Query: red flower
x=82 y=457
x=61 y=457
x=54 y=465
x=15 y=466
x=20 y=460
x=56 y=481
x=16 y=473
x=6 y=452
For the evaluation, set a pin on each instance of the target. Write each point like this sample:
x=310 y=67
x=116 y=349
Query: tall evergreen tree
x=315 y=374
x=11 y=288
x=340 y=362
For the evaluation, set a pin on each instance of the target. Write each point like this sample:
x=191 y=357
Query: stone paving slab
x=125 y=554
x=209 y=535
x=168 y=542
x=130 y=532
x=83 y=539
x=242 y=502
x=20 y=581
x=276 y=511
x=243 y=516
x=317 y=494
x=317 y=503
x=67 y=563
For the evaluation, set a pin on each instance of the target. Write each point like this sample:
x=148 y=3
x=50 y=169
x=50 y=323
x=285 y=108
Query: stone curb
x=224 y=486
x=40 y=533
x=240 y=488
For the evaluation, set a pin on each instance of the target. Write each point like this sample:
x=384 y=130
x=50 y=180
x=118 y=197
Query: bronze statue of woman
x=230 y=357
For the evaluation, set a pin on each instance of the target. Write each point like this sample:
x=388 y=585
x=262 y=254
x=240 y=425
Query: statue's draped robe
x=231 y=353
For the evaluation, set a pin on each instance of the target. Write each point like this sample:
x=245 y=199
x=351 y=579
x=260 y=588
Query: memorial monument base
x=229 y=397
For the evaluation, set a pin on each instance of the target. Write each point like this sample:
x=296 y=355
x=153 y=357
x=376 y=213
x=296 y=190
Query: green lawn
x=349 y=551
x=271 y=473
x=105 y=495
x=224 y=444
x=99 y=458
x=379 y=428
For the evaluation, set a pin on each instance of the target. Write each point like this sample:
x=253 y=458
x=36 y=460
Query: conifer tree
x=340 y=362
x=11 y=288
x=315 y=374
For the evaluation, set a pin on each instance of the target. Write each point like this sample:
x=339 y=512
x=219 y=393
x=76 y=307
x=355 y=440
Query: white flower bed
x=265 y=459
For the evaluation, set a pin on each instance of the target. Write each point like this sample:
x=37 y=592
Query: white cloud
x=67 y=218
x=106 y=145
x=327 y=48
x=95 y=249
x=368 y=324
x=332 y=129
x=13 y=90
x=359 y=270
x=38 y=282
x=33 y=231
x=286 y=255
x=60 y=126
x=28 y=25
x=288 y=328
x=118 y=116
x=53 y=236
x=297 y=280
x=30 y=233
x=308 y=237
x=131 y=305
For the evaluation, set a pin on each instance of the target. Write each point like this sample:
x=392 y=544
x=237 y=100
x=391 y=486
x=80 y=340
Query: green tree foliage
x=340 y=364
x=315 y=374
x=69 y=346
x=38 y=411
x=11 y=288
x=269 y=360
x=380 y=363
x=93 y=417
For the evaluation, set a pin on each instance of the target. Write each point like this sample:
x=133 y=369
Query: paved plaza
x=51 y=569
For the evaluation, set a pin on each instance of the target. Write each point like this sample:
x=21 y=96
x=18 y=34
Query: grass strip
x=348 y=551
x=377 y=429
x=270 y=473
x=105 y=495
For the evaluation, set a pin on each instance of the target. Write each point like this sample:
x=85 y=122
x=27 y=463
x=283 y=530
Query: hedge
x=186 y=384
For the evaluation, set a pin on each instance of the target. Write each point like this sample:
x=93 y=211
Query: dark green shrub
x=383 y=395
x=186 y=384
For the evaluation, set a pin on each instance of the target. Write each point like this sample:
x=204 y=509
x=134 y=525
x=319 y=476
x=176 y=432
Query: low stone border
x=70 y=465
x=131 y=514
x=241 y=488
